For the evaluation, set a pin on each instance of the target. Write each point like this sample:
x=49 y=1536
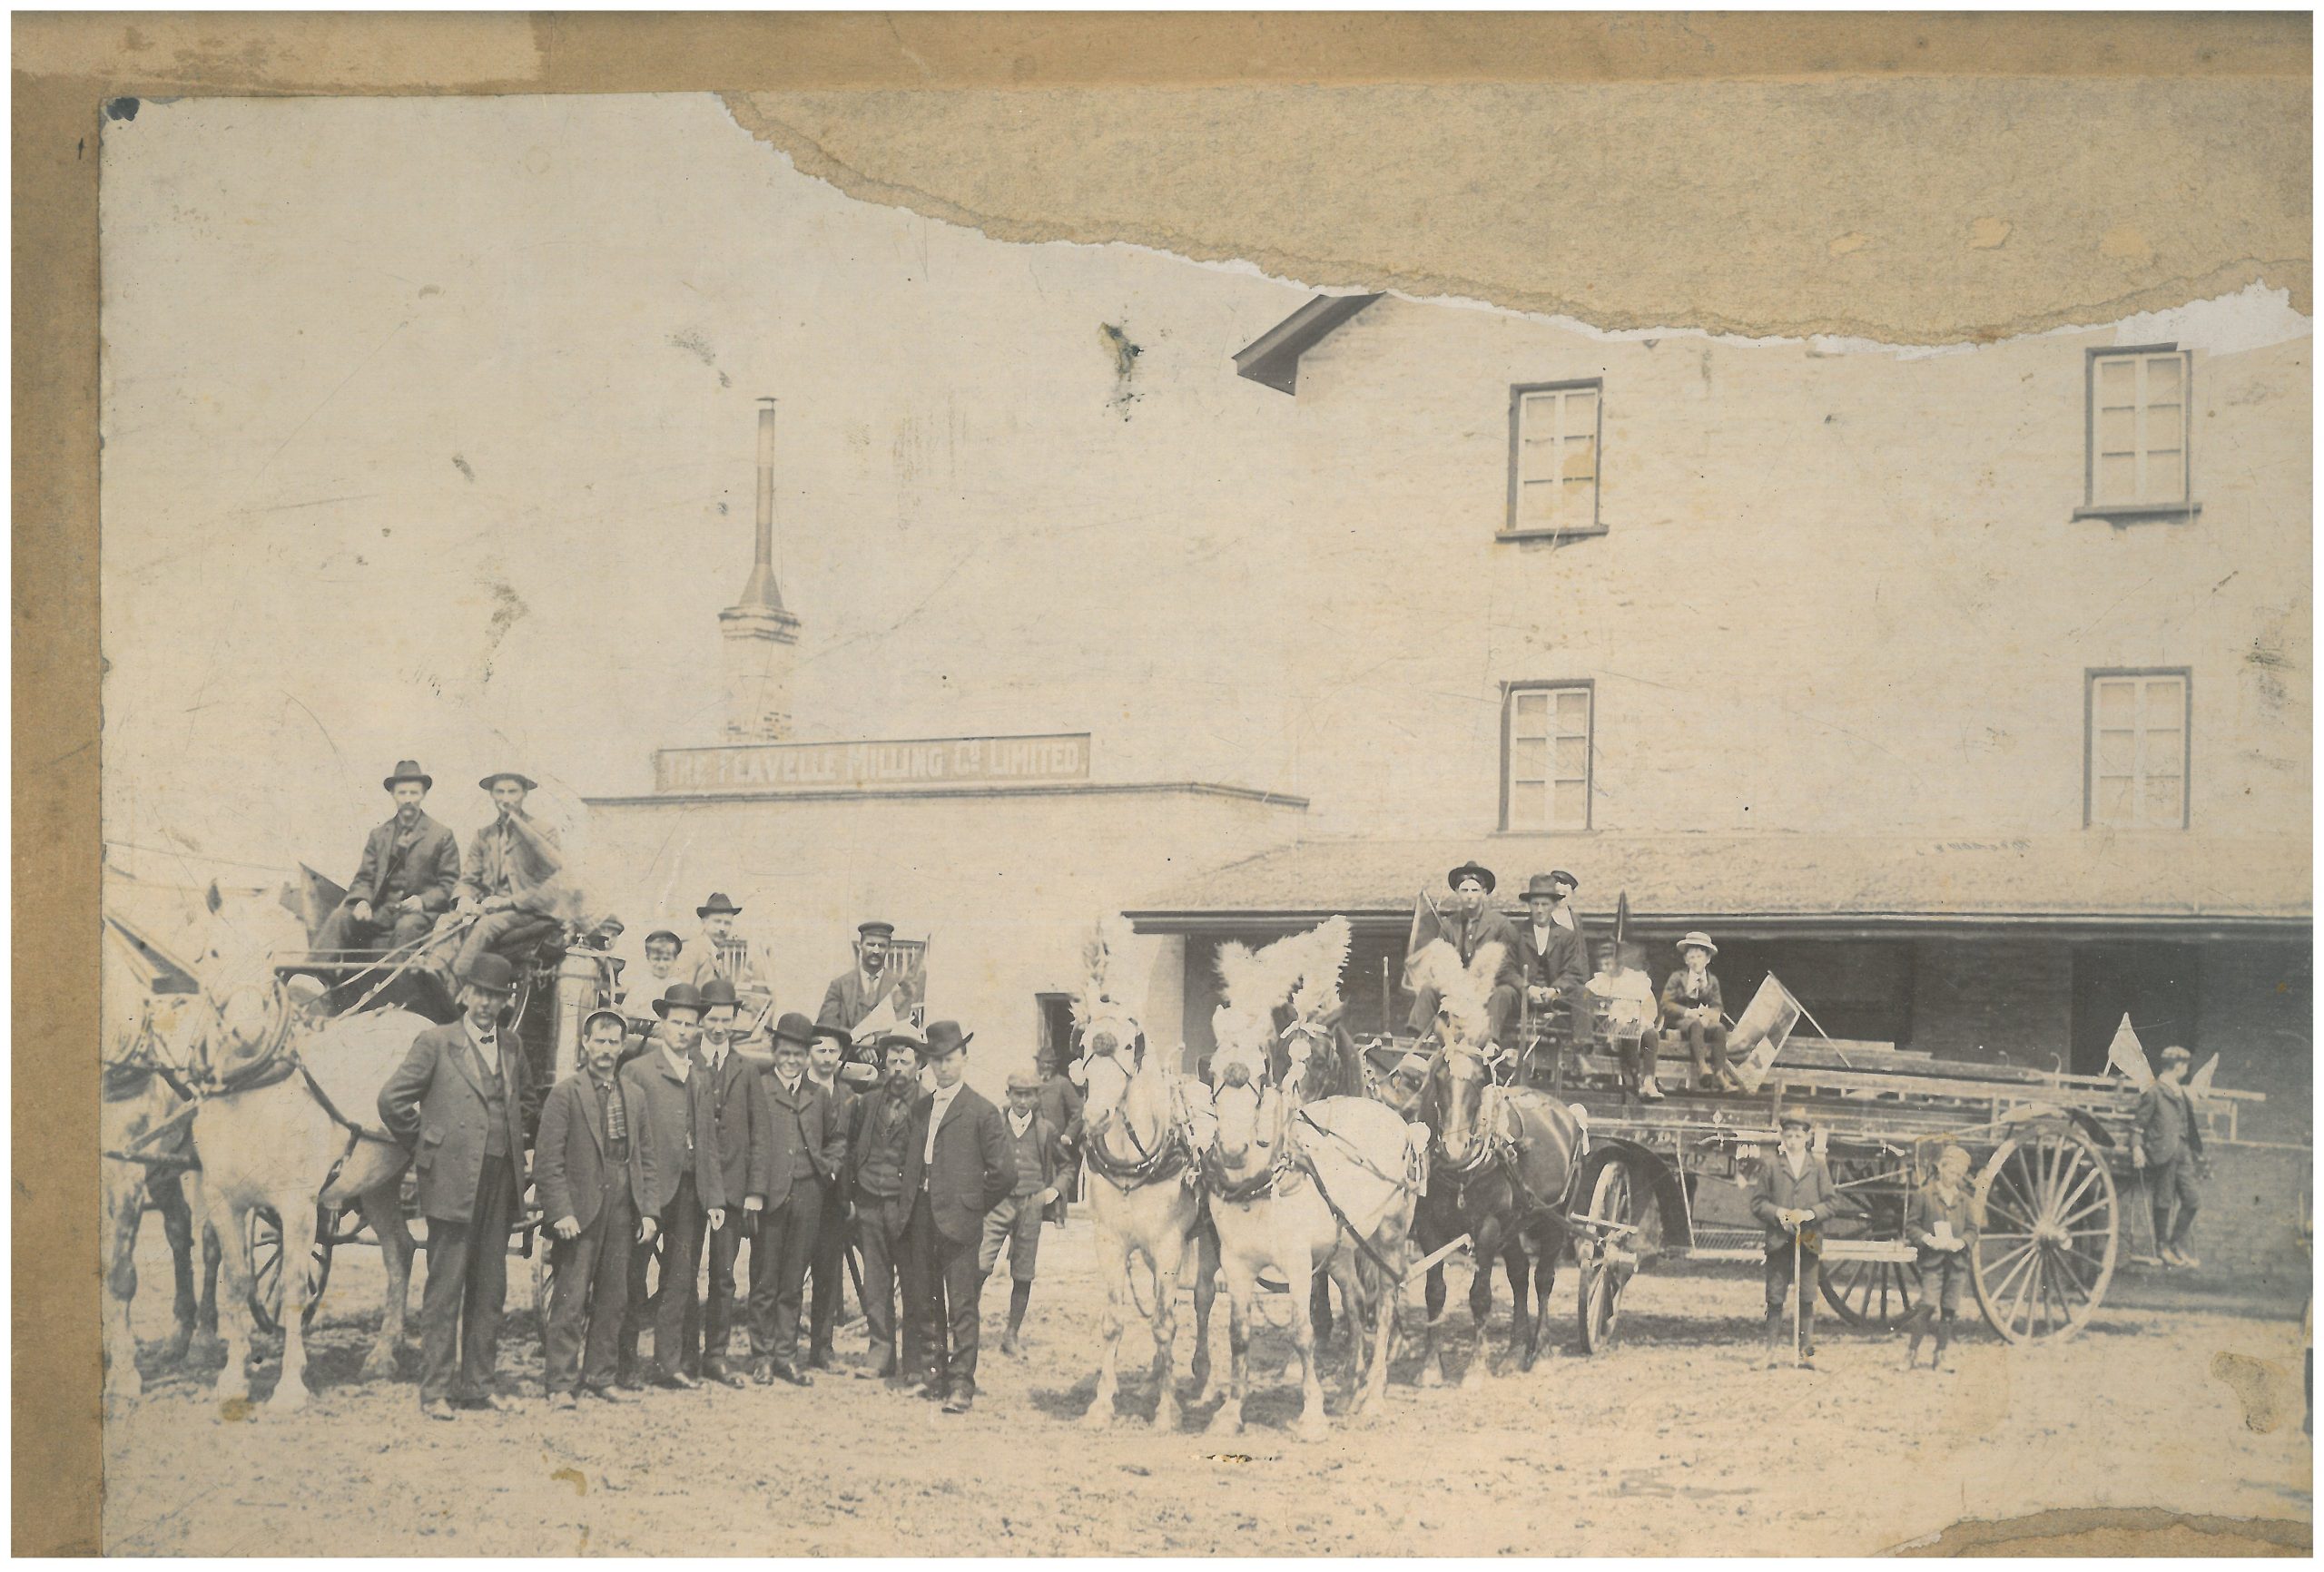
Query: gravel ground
x=1679 y=1441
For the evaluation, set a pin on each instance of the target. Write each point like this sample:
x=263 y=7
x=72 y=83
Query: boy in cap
x=1793 y=1195
x=679 y=1185
x=1692 y=1007
x=806 y=1147
x=585 y=1169
x=1944 y=1225
x=957 y=1167
x=878 y=1131
x=1016 y=1222
x=2165 y=1144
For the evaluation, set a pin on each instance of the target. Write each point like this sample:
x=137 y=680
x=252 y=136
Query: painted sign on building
x=840 y=766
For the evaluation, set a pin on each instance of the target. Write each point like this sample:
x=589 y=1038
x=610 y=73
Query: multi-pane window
x=2138 y=749
x=1545 y=758
x=2138 y=428
x=1553 y=466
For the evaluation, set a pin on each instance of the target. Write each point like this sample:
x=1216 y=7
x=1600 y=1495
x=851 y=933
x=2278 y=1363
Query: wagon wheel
x=1608 y=1263
x=263 y=1231
x=1875 y=1294
x=2048 y=1233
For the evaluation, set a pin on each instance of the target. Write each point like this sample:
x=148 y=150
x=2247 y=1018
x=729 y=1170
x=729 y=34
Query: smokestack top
x=759 y=592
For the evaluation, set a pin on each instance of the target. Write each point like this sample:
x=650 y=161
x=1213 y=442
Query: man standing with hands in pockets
x=956 y=1168
x=585 y=1166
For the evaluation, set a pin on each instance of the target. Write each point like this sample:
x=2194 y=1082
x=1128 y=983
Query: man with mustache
x=405 y=882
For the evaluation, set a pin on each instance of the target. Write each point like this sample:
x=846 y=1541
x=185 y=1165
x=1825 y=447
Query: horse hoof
x=1312 y=1429
x=175 y=1352
x=1431 y=1376
x=1476 y=1379
x=1099 y=1417
x=1166 y=1418
x=1226 y=1422
x=379 y=1367
x=287 y=1400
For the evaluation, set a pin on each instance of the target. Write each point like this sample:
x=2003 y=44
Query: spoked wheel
x=263 y=1234
x=1873 y=1294
x=1609 y=1260
x=2049 y=1232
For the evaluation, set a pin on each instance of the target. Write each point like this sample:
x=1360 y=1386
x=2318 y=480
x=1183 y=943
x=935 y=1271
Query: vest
x=496 y=1099
x=881 y=1175
x=1028 y=1148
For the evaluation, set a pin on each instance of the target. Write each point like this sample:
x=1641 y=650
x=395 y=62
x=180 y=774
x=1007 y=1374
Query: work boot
x=2185 y=1259
x=1913 y=1352
x=1774 y=1340
x=962 y=1399
x=564 y=1401
x=1650 y=1091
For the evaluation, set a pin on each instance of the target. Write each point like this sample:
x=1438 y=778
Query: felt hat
x=875 y=928
x=2174 y=1054
x=664 y=933
x=1476 y=871
x=679 y=996
x=718 y=991
x=408 y=770
x=1024 y=1081
x=527 y=781
x=718 y=904
x=793 y=1027
x=1697 y=938
x=492 y=973
x=905 y=1033
x=1790 y=1116
x=1560 y=876
x=594 y=1017
x=944 y=1038
x=1540 y=886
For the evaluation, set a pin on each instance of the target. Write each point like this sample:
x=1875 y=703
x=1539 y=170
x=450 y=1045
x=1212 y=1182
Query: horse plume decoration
x=1462 y=992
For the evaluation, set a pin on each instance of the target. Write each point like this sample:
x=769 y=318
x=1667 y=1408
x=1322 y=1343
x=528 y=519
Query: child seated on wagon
x=1627 y=1004
x=1692 y=1008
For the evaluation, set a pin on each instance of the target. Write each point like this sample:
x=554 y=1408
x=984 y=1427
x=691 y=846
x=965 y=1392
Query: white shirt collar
x=679 y=1063
x=1019 y=1123
x=488 y=1044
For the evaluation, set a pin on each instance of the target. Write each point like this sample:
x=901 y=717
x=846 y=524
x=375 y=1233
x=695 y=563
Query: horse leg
x=383 y=1209
x=1166 y=1330
x=205 y=1317
x=1519 y=1268
x=177 y=1224
x=1205 y=1296
x=1480 y=1303
x=227 y=1218
x=1545 y=1277
x=1350 y=1270
x=1241 y=1283
x=1432 y=1356
x=1299 y=1272
x=1100 y=1412
x=297 y=1212
x=1390 y=1291
x=124 y=1205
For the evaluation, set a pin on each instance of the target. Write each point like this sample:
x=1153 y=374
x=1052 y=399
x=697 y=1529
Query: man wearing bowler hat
x=2166 y=1144
x=724 y=954
x=508 y=884
x=1469 y=925
x=455 y=1104
x=680 y=1184
x=410 y=867
x=956 y=1168
x=855 y=993
x=806 y=1147
x=733 y=1094
x=1556 y=968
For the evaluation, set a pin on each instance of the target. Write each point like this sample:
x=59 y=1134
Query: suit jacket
x=1061 y=1104
x=571 y=1173
x=1489 y=927
x=1561 y=966
x=1777 y=1191
x=500 y=863
x=845 y=1003
x=434 y=1104
x=707 y=964
x=733 y=1104
x=672 y=1134
x=1929 y=1208
x=2167 y=1126
x=1675 y=1002
x=974 y=1171
x=809 y=1119
x=862 y=1125
x=424 y=861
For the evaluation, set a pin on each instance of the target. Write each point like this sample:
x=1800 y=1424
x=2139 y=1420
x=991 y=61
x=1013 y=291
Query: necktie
x=616 y=1117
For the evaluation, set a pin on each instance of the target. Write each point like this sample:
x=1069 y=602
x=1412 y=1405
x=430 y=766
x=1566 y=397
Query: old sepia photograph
x=798 y=862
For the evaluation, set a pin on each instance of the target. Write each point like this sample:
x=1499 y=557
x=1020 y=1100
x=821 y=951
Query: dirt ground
x=1678 y=1441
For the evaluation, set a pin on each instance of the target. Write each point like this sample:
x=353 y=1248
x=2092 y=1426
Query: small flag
x=2202 y=1084
x=312 y=898
x=882 y=1019
x=2124 y=1053
x=1428 y=927
x=1621 y=925
x=1761 y=1031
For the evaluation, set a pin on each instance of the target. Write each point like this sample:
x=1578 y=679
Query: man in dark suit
x=877 y=1134
x=806 y=1147
x=680 y=1183
x=730 y=1091
x=834 y=1235
x=585 y=1168
x=1555 y=968
x=456 y=1103
x=855 y=993
x=2166 y=1144
x=957 y=1167
x=1468 y=927
x=405 y=882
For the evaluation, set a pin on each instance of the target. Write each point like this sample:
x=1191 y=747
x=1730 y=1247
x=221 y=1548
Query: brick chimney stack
x=761 y=636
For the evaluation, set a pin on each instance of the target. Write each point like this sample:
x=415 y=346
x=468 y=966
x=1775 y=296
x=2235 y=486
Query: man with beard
x=406 y=880
x=877 y=1131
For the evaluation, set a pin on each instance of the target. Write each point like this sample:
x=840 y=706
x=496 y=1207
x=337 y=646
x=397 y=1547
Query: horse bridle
x=1152 y=1166
x=1492 y=1144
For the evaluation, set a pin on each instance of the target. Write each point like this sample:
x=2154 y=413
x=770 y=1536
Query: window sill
x=1526 y=534
x=2135 y=512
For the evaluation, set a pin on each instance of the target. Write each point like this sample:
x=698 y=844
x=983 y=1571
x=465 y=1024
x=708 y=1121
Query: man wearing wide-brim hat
x=1469 y=923
x=508 y=884
x=455 y=1104
x=956 y=1168
x=406 y=879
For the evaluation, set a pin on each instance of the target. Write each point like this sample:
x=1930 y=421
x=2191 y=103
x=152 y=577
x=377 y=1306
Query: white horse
x=1142 y=1196
x=135 y=1106
x=268 y=1141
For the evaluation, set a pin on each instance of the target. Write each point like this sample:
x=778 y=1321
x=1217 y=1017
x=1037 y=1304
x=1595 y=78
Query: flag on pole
x=1428 y=927
x=312 y=898
x=1621 y=925
x=2125 y=1054
x=2201 y=1086
x=1761 y=1031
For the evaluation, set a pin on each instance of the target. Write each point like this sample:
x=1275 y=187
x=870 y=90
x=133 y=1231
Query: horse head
x=1119 y=1091
x=1464 y=1068
x=1458 y=1082
x=240 y=1014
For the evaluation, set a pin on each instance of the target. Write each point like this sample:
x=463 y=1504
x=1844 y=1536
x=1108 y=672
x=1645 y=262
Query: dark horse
x=1502 y=1161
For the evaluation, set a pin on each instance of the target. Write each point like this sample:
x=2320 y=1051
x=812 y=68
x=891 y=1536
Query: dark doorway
x=2158 y=985
x=1056 y=1044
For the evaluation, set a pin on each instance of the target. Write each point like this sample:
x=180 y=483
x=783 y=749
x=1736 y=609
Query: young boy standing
x=1793 y=1193
x=1017 y=1221
x=1944 y=1225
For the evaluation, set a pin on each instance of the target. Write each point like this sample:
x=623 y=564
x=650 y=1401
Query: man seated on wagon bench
x=1468 y=927
x=508 y=886
x=406 y=880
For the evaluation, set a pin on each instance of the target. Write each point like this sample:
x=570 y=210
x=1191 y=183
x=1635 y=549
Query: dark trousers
x=510 y=933
x=2169 y=1182
x=1501 y=1009
x=1638 y=1055
x=1706 y=1046
x=947 y=1302
x=779 y=1259
x=881 y=1232
x=1779 y=1281
x=389 y=930
x=722 y=1245
x=588 y=1292
x=674 y=1310
x=467 y=1280
x=828 y=1267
